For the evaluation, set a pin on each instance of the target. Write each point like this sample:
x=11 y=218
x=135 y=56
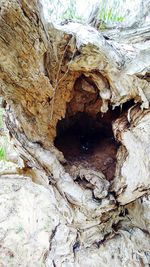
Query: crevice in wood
x=85 y=135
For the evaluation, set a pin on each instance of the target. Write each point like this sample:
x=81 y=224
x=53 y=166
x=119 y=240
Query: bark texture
x=81 y=210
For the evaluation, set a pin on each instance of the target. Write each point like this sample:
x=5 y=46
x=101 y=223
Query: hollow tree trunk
x=78 y=114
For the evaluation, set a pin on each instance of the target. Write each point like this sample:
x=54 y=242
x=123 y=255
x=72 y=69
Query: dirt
x=90 y=146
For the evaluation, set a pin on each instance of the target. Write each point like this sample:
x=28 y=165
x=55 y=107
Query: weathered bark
x=76 y=213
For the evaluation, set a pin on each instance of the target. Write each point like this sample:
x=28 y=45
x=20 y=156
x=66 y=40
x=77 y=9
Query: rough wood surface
x=73 y=215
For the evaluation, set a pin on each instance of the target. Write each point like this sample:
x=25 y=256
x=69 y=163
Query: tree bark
x=71 y=206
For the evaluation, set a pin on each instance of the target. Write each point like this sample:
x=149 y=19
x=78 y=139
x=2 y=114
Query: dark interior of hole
x=88 y=141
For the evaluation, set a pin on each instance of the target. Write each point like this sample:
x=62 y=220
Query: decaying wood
x=70 y=214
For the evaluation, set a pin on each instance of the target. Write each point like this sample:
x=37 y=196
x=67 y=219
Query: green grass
x=110 y=14
x=107 y=14
x=3 y=154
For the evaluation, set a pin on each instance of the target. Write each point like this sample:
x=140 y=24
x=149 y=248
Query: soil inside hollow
x=88 y=141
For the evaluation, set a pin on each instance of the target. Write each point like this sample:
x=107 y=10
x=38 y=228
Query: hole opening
x=87 y=141
x=85 y=135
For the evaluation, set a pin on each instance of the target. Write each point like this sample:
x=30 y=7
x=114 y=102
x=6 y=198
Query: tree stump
x=78 y=114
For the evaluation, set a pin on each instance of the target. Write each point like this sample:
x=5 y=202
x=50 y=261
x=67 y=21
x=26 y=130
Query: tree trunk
x=78 y=114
